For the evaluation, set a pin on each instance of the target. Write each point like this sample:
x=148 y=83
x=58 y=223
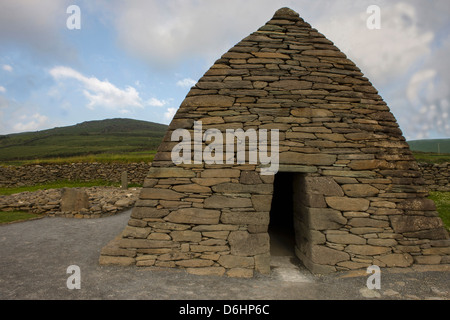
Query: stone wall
x=13 y=176
x=436 y=176
x=101 y=201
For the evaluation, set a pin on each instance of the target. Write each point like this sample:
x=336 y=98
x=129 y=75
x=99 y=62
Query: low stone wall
x=103 y=201
x=436 y=176
x=13 y=176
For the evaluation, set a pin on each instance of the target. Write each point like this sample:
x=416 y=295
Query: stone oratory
x=346 y=185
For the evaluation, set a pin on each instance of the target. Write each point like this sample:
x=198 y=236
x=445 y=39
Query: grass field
x=14 y=216
x=429 y=157
x=442 y=201
x=105 y=140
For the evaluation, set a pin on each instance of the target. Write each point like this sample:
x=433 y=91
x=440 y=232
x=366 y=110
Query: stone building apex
x=286 y=13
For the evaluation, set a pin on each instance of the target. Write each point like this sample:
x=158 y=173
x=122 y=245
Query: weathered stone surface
x=325 y=255
x=261 y=202
x=219 y=202
x=73 y=199
x=169 y=172
x=194 y=215
x=240 y=273
x=160 y=194
x=359 y=190
x=242 y=218
x=207 y=271
x=148 y=212
x=322 y=218
x=402 y=224
x=307 y=159
x=208 y=101
x=186 y=235
x=321 y=185
x=396 y=260
x=231 y=261
x=135 y=232
x=347 y=204
x=345 y=238
x=243 y=243
x=367 y=250
x=417 y=204
x=194 y=263
x=188 y=188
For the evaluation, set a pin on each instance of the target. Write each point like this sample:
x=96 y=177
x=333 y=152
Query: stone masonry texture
x=359 y=198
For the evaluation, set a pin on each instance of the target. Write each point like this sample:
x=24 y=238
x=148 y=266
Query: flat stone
x=402 y=224
x=261 y=202
x=321 y=218
x=221 y=173
x=240 y=273
x=291 y=84
x=243 y=243
x=367 y=250
x=345 y=238
x=327 y=256
x=321 y=185
x=360 y=190
x=219 y=202
x=135 y=232
x=148 y=212
x=194 y=216
x=170 y=172
x=347 y=204
x=417 y=204
x=208 y=101
x=194 y=263
x=186 y=235
x=245 y=218
x=396 y=260
x=231 y=261
x=160 y=194
x=307 y=159
x=73 y=199
x=207 y=271
x=191 y=188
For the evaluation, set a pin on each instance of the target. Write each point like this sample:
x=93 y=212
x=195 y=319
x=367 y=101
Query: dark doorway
x=281 y=226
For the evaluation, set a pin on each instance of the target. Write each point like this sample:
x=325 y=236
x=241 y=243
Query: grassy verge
x=442 y=200
x=131 y=157
x=12 y=216
x=60 y=184
x=429 y=157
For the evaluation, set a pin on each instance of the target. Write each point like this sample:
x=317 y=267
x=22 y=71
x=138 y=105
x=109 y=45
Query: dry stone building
x=346 y=184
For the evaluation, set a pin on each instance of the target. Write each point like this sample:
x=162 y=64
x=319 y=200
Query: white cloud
x=101 y=93
x=2 y=89
x=168 y=115
x=186 y=83
x=31 y=123
x=153 y=102
x=7 y=67
x=385 y=54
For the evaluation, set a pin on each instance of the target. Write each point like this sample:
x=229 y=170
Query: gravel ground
x=35 y=255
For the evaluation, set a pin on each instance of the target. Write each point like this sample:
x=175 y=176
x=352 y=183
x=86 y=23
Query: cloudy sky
x=138 y=59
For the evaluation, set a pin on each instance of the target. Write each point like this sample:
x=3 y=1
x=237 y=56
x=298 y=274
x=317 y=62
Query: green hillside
x=92 y=137
x=430 y=145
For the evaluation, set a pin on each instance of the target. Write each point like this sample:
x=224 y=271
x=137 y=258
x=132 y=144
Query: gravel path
x=35 y=255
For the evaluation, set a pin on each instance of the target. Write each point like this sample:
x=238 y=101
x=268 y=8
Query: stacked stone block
x=359 y=198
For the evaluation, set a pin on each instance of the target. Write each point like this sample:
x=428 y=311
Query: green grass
x=12 y=216
x=429 y=157
x=442 y=200
x=103 y=140
x=58 y=185
x=131 y=157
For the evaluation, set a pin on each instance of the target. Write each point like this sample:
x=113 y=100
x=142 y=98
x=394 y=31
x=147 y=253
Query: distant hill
x=430 y=145
x=90 y=137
